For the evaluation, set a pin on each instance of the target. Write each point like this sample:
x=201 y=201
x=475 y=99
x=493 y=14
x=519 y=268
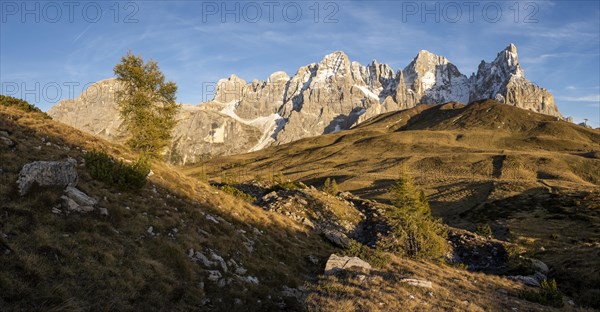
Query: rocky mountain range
x=329 y=96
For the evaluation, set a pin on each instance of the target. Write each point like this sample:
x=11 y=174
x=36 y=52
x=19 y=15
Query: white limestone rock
x=336 y=263
x=47 y=173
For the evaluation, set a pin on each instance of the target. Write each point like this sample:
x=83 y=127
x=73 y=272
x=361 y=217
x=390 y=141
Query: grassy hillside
x=533 y=178
x=143 y=255
x=94 y=262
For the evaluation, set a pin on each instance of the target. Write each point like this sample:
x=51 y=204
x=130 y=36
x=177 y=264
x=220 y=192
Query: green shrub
x=229 y=178
x=6 y=100
x=374 y=257
x=330 y=187
x=547 y=294
x=415 y=233
x=237 y=193
x=484 y=230
x=123 y=176
x=460 y=266
x=516 y=263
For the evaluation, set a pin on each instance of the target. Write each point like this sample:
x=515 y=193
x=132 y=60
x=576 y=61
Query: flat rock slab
x=417 y=282
x=527 y=280
x=336 y=263
x=80 y=197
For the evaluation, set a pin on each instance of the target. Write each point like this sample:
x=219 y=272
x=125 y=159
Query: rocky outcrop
x=324 y=97
x=94 y=111
x=309 y=207
x=57 y=174
x=77 y=201
x=504 y=80
x=219 y=271
x=199 y=132
x=476 y=252
x=337 y=238
x=538 y=272
x=47 y=173
x=434 y=80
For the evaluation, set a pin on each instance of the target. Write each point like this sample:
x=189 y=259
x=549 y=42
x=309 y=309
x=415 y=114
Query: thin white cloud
x=578 y=88
x=585 y=98
x=82 y=33
x=547 y=57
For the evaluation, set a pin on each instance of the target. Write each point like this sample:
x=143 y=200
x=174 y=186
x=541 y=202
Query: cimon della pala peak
x=329 y=96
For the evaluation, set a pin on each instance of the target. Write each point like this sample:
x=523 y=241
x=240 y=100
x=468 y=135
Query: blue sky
x=52 y=50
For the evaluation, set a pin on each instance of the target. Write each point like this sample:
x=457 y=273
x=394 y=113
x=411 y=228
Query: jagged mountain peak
x=331 y=95
x=333 y=64
x=334 y=55
x=229 y=89
x=507 y=60
x=232 y=77
x=278 y=76
x=504 y=80
x=433 y=79
x=334 y=60
x=511 y=48
x=425 y=56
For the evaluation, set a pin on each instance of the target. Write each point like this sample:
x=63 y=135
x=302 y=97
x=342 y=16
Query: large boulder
x=336 y=264
x=47 y=173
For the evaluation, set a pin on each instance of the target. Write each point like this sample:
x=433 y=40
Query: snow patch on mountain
x=269 y=125
x=369 y=93
x=275 y=124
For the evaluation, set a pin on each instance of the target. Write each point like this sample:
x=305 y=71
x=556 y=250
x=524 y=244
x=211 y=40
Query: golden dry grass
x=91 y=262
x=453 y=290
x=463 y=158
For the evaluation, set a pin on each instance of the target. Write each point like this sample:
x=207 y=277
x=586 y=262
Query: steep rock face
x=230 y=89
x=262 y=99
x=504 y=80
x=433 y=79
x=198 y=133
x=319 y=98
x=94 y=111
x=329 y=96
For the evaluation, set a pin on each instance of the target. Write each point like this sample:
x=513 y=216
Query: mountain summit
x=433 y=79
x=504 y=80
x=332 y=95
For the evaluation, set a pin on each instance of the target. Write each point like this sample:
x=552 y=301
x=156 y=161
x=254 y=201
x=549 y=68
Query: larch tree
x=416 y=233
x=146 y=104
